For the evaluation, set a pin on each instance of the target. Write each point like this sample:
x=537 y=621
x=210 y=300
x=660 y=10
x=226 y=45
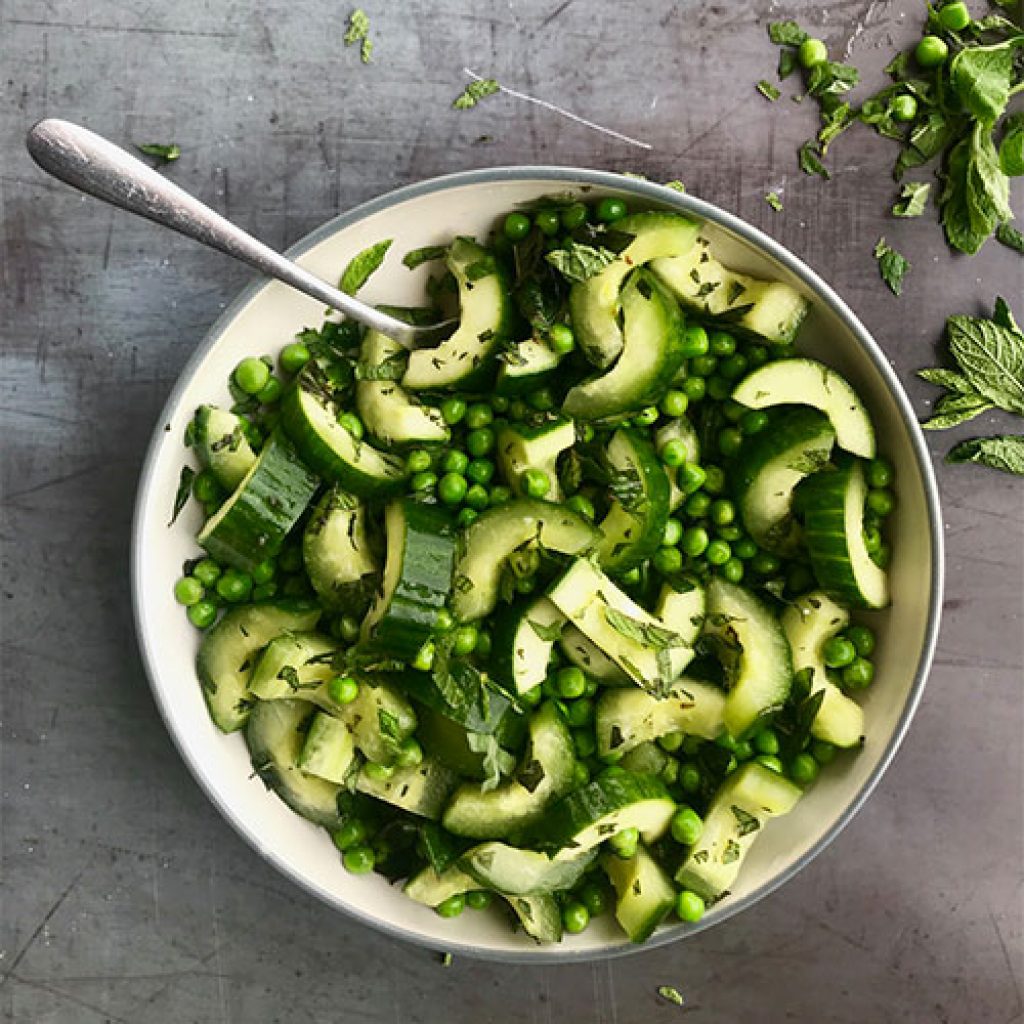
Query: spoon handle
x=94 y=165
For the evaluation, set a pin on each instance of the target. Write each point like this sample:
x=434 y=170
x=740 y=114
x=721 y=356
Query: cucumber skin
x=266 y=507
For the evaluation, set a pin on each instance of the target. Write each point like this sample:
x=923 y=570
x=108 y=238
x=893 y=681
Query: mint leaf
x=416 y=257
x=1005 y=453
x=1011 y=149
x=164 y=152
x=891 y=265
x=992 y=358
x=786 y=33
x=474 y=92
x=498 y=762
x=549 y=634
x=787 y=64
x=1009 y=236
x=362 y=266
x=913 y=199
x=947 y=379
x=835 y=122
x=647 y=633
x=670 y=994
x=1003 y=315
x=358 y=27
x=768 y=91
x=953 y=409
x=831 y=79
x=982 y=77
x=188 y=474
x=773 y=200
x=578 y=262
x=809 y=161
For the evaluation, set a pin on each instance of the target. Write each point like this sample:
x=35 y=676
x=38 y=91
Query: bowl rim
x=686 y=203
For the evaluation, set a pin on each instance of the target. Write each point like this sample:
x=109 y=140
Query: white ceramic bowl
x=267 y=315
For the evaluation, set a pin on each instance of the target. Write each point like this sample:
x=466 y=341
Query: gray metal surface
x=123 y=896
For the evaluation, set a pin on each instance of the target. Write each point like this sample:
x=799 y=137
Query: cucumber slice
x=754 y=650
x=275 y=733
x=467 y=358
x=768 y=468
x=336 y=550
x=523 y=638
x=499 y=532
x=293 y=665
x=420 y=789
x=515 y=872
x=833 y=507
x=544 y=774
x=328 y=752
x=809 y=623
x=388 y=411
x=635 y=523
x=526 y=366
x=677 y=430
x=586 y=655
x=627 y=717
x=417 y=578
x=228 y=651
x=221 y=445
x=251 y=525
x=650 y=655
x=645 y=894
x=806 y=382
x=613 y=801
x=380 y=718
x=539 y=915
x=594 y=304
x=646 y=759
x=770 y=310
x=651 y=354
x=682 y=612
x=521 y=447
x=745 y=801
x=431 y=888
x=310 y=417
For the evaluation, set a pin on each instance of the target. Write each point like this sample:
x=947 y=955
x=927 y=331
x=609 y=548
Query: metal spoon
x=94 y=165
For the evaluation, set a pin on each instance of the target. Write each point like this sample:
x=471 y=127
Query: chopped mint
x=913 y=199
x=768 y=91
x=773 y=200
x=670 y=994
x=474 y=92
x=891 y=265
x=164 y=152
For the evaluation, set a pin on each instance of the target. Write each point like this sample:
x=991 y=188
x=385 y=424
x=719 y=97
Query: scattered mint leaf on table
x=953 y=409
x=676 y=186
x=992 y=358
x=362 y=266
x=474 y=92
x=773 y=200
x=164 y=152
x=768 y=91
x=1011 y=149
x=670 y=994
x=913 y=199
x=786 y=33
x=810 y=162
x=1005 y=452
x=891 y=265
x=1008 y=235
x=982 y=77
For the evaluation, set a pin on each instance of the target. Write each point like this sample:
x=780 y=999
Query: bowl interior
x=267 y=316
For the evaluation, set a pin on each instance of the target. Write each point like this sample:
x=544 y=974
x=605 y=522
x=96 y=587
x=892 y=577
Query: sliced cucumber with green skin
x=586 y=655
x=432 y=888
x=809 y=623
x=628 y=717
x=644 y=893
x=251 y=525
x=336 y=549
x=380 y=719
x=833 y=507
x=806 y=382
x=635 y=640
x=388 y=411
x=539 y=915
x=521 y=447
x=222 y=446
x=528 y=365
x=523 y=638
x=755 y=652
x=310 y=418
x=646 y=759
x=417 y=578
x=634 y=525
x=771 y=310
x=512 y=871
x=677 y=430
x=495 y=535
x=652 y=352
x=594 y=304
x=613 y=801
x=682 y=612
x=293 y=665
x=275 y=734
x=768 y=468
x=420 y=789
x=466 y=359
x=328 y=752
x=228 y=653
x=545 y=773
x=745 y=801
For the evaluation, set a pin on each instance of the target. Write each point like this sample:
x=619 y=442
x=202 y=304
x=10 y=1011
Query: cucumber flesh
x=432 y=888
x=328 y=751
x=539 y=915
x=682 y=612
x=521 y=447
x=512 y=871
x=380 y=719
x=645 y=894
x=586 y=655
x=523 y=638
x=222 y=446
x=528 y=366
x=809 y=623
x=293 y=665
x=336 y=550
x=807 y=382
x=420 y=789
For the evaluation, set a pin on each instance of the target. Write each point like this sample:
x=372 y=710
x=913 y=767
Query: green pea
x=467 y=516
x=452 y=488
x=880 y=502
x=561 y=339
x=861 y=637
x=352 y=423
x=574 y=216
x=251 y=375
x=423 y=481
x=703 y=366
x=418 y=461
x=483 y=644
x=455 y=461
x=188 y=591
x=500 y=494
x=722 y=512
x=955 y=16
x=719 y=388
x=672 y=533
x=631 y=578
x=518 y=410
x=624 y=843
x=571 y=682
x=516 y=226
x=410 y=753
x=206 y=488
x=668 y=560
x=646 y=417
x=293 y=357
x=733 y=368
x=352 y=832
x=479 y=415
x=548 y=221
x=478 y=899
x=690 y=477
x=674 y=403
x=694 y=541
x=575 y=917
x=722 y=344
x=811 y=53
x=765 y=563
x=595 y=898
x=744 y=548
x=453 y=411
x=206 y=571
x=689 y=906
x=480 y=471
x=858 y=674
x=803 y=769
x=444 y=621
x=718 y=552
x=610 y=209
x=838 y=652
x=753 y=422
x=202 y=613
x=757 y=355
x=931 y=52
x=378 y=772
x=689 y=778
x=694 y=388
x=234 y=586
x=451 y=907
x=464 y=641
x=480 y=441
x=771 y=762
x=879 y=473
x=730 y=441
x=582 y=506
x=499 y=404
x=671 y=741
x=584 y=742
x=687 y=826
x=714 y=480
x=904 y=108
x=579 y=712
x=732 y=571
x=264 y=572
x=882 y=556
x=424 y=659
x=673 y=452
x=477 y=497
x=823 y=752
x=358 y=860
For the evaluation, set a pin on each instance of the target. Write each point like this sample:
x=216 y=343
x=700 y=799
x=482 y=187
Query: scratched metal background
x=124 y=896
